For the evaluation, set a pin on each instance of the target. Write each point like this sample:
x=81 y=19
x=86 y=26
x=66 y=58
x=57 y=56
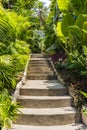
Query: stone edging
x=17 y=90
x=55 y=71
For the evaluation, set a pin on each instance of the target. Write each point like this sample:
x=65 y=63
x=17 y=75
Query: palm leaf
x=84 y=94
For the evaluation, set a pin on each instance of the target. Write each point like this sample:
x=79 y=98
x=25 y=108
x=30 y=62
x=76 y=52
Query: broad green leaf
x=85 y=25
x=68 y=20
x=84 y=94
x=75 y=30
x=81 y=19
x=63 y=4
x=59 y=32
x=84 y=35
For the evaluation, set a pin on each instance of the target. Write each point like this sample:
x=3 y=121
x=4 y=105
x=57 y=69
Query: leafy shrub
x=19 y=62
x=10 y=65
x=7 y=79
x=8 y=110
x=19 y=47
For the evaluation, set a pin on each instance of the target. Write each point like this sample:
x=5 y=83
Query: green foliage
x=7 y=79
x=73 y=25
x=80 y=20
x=19 y=25
x=63 y=5
x=78 y=62
x=13 y=27
x=50 y=35
x=19 y=47
x=21 y=6
x=66 y=23
x=84 y=97
x=84 y=94
x=7 y=69
x=7 y=33
x=79 y=6
x=8 y=110
x=19 y=61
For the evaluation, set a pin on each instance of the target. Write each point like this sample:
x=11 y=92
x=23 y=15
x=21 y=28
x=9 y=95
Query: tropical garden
x=19 y=37
x=68 y=45
x=60 y=32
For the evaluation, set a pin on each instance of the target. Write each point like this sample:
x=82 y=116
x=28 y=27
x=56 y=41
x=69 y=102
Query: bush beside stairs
x=46 y=105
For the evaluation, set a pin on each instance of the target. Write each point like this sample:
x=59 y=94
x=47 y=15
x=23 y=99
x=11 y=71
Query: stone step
x=43 y=88
x=34 y=72
x=40 y=65
x=47 y=116
x=37 y=56
x=41 y=77
x=39 y=61
x=45 y=101
x=38 y=68
x=73 y=126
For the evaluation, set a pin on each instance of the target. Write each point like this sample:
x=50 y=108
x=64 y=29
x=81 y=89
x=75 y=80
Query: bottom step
x=62 y=127
x=47 y=116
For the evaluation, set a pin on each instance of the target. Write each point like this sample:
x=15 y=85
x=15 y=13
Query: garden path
x=46 y=103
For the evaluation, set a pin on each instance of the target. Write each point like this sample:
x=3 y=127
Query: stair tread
x=40 y=74
x=59 y=127
x=45 y=97
x=43 y=84
x=39 y=59
x=47 y=111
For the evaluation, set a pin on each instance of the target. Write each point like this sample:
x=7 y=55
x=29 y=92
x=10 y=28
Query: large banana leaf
x=81 y=19
x=63 y=5
x=85 y=25
x=80 y=6
x=67 y=20
x=76 y=31
x=59 y=32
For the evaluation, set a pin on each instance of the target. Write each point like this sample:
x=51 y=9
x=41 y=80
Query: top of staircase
x=38 y=56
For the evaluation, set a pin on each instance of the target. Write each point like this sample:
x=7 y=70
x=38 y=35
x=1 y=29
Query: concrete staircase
x=45 y=100
x=40 y=69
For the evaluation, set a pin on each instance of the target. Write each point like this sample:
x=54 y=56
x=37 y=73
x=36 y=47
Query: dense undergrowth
x=66 y=43
x=19 y=24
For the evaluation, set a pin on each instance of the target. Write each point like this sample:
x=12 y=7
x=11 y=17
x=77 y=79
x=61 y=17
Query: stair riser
x=43 y=69
x=40 y=65
x=46 y=120
x=37 y=56
x=32 y=103
x=41 y=77
x=39 y=72
x=39 y=62
x=43 y=92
